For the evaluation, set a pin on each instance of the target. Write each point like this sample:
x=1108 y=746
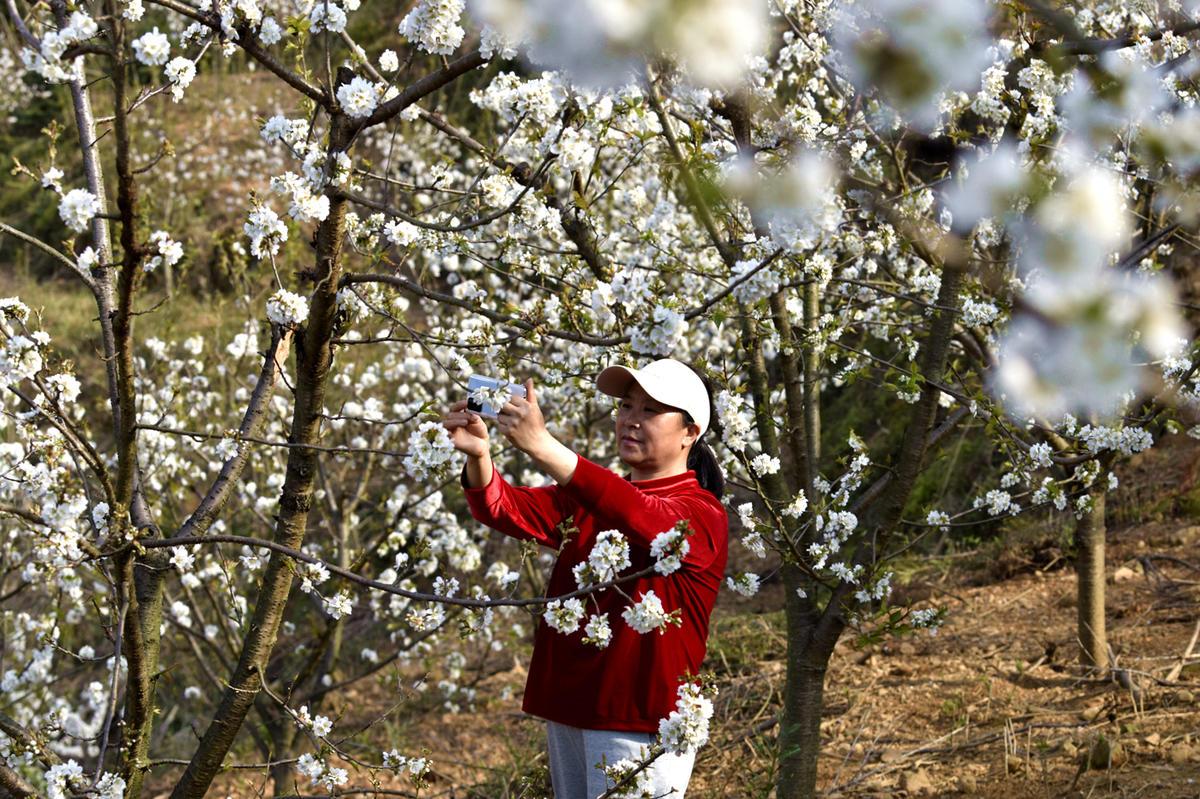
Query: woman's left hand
x=522 y=422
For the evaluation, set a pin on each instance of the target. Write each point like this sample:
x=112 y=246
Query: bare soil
x=994 y=705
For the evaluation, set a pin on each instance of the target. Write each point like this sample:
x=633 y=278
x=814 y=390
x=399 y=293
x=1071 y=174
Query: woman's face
x=651 y=435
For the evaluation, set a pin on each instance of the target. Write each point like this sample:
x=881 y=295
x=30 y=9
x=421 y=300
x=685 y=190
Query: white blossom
x=433 y=26
x=180 y=71
x=77 y=208
x=327 y=15
x=597 y=631
x=266 y=232
x=287 y=309
x=648 y=614
x=668 y=549
x=52 y=179
x=685 y=729
x=170 y=252
x=271 y=32
x=745 y=583
x=402 y=233
x=575 y=151
x=152 y=49
x=358 y=98
x=564 y=615
x=182 y=559
x=429 y=450
x=339 y=605
x=764 y=464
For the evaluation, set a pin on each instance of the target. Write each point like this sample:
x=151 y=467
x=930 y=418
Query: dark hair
x=700 y=456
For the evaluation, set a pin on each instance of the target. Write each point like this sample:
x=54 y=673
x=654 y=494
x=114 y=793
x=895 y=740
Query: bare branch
x=252 y=423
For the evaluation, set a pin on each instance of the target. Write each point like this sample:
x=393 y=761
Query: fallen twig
x=1173 y=674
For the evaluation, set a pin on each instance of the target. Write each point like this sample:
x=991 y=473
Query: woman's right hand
x=468 y=433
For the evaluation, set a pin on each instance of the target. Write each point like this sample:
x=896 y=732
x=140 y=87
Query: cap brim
x=615 y=380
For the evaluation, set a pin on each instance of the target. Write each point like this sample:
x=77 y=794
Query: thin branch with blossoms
x=366 y=582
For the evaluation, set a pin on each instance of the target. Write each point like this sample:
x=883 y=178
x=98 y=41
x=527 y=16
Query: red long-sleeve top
x=630 y=684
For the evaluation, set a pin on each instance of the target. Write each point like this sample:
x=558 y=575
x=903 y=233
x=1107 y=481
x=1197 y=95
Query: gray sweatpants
x=575 y=755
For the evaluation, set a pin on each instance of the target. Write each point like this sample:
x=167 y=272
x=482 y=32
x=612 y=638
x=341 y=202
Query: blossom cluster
x=266 y=231
x=318 y=771
x=168 y=251
x=47 y=59
x=429 y=450
x=745 y=583
x=608 y=557
x=287 y=309
x=415 y=766
x=564 y=615
x=668 y=549
x=77 y=208
x=648 y=614
x=433 y=26
x=685 y=729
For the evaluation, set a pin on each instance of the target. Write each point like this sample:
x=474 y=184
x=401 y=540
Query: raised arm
x=530 y=514
x=527 y=513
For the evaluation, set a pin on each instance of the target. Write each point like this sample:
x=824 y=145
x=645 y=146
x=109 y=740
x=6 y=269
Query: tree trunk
x=314 y=357
x=1089 y=565
x=142 y=636
x=799 y=742
x=812 y=386
x=812 y=635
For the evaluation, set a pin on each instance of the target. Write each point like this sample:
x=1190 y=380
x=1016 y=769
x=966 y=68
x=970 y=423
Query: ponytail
x=708 y=471
x=701 y=458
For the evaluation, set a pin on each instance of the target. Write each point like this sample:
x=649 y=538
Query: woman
x=604 y=704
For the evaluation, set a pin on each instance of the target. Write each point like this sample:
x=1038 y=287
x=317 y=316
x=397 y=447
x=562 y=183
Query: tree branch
x=421 y=88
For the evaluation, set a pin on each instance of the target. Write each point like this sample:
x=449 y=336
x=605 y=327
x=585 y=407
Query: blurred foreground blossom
x=1068 y=239
x=604 y=44
x=1130 y=95
x=910 y=51
x=1089 y=325
x=1084 y=365
x=989 y=187
x=799 y=203
x=1086 y=325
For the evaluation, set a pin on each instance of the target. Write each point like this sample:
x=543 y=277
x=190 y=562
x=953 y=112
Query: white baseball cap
x=667 y=380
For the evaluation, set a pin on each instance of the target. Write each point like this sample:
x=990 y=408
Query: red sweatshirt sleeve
x=530 y=514
x=642 y=516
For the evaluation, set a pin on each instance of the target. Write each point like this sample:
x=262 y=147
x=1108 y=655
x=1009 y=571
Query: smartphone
x=487 y=395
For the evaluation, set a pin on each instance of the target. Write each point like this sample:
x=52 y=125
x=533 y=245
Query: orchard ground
x=994 y=705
